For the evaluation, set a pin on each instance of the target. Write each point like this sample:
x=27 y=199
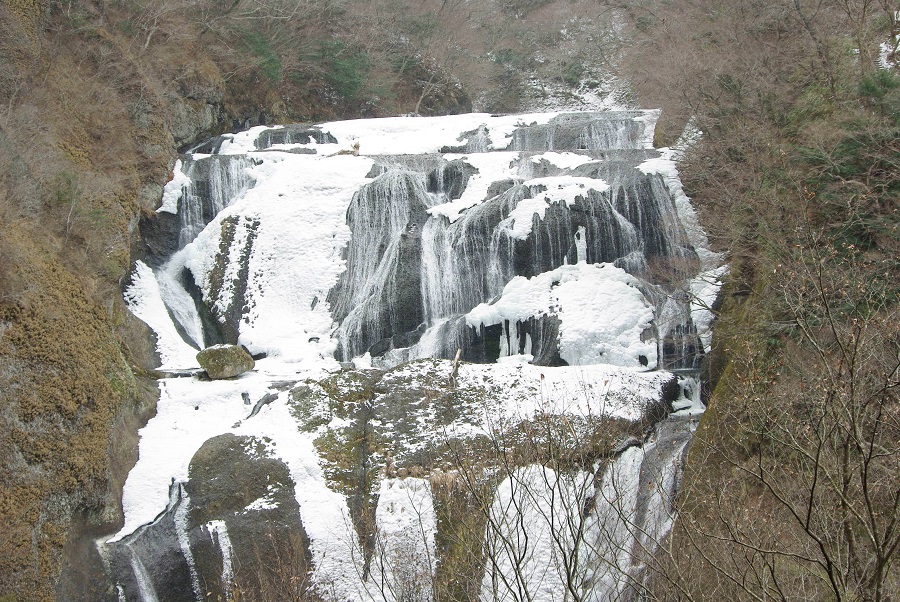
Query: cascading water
x=587 y=534
x=378 y=291
x=477 y=236
x=142 y=578
x=557 y=251
x=218 y=530
x=156 y=560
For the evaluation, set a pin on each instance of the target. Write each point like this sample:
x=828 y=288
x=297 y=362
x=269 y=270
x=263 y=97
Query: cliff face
x=88 y=135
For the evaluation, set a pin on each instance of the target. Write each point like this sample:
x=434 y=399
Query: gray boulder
x=225 y=361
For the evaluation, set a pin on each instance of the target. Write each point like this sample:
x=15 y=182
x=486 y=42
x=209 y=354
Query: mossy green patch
x=311 y=406
x=225 y=361
x=61 y=392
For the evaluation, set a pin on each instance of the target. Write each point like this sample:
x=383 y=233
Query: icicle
x=216 y=182
x=383 y=216
x=142 y=577
x=581 y=244
x=183 y=502
x=219 y=531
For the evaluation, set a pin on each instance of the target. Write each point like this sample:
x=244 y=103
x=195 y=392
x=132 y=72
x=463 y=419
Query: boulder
x=225 y=361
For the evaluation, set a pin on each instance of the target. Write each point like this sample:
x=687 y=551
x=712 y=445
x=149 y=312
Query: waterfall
x=202 y=187
x=616 y=130
x=551 y=533
x=180 y=305
x=182 y=503
x=214 y=182
x=292 y=135
x=553 y=253
x=157 y=559
x=450 y=285
x=581 y=244
x=634 y=510
x=610 y=212
x=434 y=235
x=378 y=292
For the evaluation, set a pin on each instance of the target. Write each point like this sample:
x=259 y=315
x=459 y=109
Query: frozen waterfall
x=554 y=254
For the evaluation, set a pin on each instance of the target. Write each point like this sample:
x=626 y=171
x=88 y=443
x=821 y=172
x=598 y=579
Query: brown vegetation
x=791 y=488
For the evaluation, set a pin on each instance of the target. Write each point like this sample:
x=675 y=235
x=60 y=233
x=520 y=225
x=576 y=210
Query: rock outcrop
x=225 y=361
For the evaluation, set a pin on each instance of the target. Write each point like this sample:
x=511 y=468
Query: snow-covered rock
x=555 y=255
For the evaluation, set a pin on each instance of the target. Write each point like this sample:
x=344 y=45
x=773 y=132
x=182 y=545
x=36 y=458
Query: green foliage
x=882 y=90
x=572 y=73
x=402 y=63
x=504 y=56
x=813 y=103
x=855 y=182
x=645 y=23
x=127 y=26
x=731 y=85
x=519 y=59
x=422 y=25
x=879 y=83
x=346 y=68
x=269 y=61
x=66 y=189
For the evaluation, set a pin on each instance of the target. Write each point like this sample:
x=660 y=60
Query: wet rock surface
x=232 y=529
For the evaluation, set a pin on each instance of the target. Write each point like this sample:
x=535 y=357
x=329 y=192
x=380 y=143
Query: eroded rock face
x=231 y=530
x=243 y=498
x=225 y=361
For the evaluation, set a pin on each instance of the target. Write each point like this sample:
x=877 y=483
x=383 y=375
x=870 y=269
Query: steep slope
x=791 y=488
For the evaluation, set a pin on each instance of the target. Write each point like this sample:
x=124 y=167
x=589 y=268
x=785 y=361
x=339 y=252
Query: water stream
x=551 y=243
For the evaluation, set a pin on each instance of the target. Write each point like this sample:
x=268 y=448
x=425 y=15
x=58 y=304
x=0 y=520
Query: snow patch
x=404 y=561
x=704 y=290
x=174 y=189
x=601 y=310
x=491 y=168
x=420 y=135
x=565 y=160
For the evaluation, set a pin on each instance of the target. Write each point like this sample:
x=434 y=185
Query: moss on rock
x=225 y=361
x=64 y=383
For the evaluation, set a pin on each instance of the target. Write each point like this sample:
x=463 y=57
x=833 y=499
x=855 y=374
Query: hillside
x=790 y=489
x=795 y=178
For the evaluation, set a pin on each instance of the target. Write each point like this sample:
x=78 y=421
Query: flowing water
x=556 y=240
